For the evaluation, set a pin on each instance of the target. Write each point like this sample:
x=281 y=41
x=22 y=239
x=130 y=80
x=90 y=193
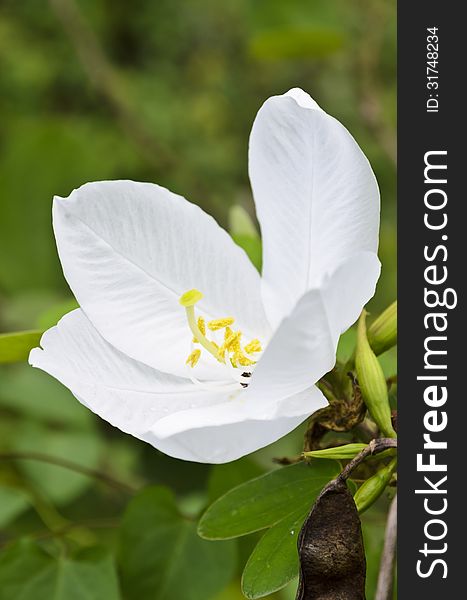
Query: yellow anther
x=242 y=360
x=201 y=327
x=217 y=324
x=190 y=298
x=232 y=340
x=253 y=346
x=193 y=358
x=231 y=348
x=235 y=342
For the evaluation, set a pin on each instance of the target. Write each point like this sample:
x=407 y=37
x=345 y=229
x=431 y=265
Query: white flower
x=130 y=251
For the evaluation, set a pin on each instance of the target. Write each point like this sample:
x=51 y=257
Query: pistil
x=230 y=352
x=211 y=347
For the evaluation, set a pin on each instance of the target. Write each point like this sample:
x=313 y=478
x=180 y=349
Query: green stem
x=72 y=466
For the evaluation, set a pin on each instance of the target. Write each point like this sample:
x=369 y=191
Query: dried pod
x=330 y=547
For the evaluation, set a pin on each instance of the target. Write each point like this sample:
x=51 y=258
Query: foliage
x=162 y=556
x=86 y=574
x=15 y=347
x=112 y=518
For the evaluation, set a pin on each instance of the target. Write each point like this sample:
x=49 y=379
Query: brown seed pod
x=330 y=547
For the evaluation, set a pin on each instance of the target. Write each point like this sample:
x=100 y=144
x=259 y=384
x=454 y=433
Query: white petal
x=128 y=394
x=166 y=411
x=316 y=197
x=349 y=288
x=241 y=427
x=303 y=349
x=129 y=250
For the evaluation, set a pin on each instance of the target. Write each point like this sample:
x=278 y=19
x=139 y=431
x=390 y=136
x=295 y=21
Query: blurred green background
x=163 y=91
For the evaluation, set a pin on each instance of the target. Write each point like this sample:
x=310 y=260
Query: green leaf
x=227 y=476
x=29 y=573
x=59 y=484
x=264 y=501
x=274 y=561
x=162 y=557
x=13 y=502
x=36 y=395
x=15 y=347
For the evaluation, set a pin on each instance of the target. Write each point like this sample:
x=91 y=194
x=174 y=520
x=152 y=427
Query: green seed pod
x=372 y=381
x=338 y=453
x=382 y=333
x=373 y=487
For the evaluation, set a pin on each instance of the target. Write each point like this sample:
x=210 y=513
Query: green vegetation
x=158 y=91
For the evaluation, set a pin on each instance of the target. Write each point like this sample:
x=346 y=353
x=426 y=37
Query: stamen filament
x=201 y=339
x=230 y=353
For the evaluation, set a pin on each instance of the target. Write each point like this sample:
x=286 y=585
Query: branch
x=72 y=466
x=374 y=447
x=103 y=523
x=386 y=570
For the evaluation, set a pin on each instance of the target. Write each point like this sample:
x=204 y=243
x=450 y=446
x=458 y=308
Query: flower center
x=230 y=350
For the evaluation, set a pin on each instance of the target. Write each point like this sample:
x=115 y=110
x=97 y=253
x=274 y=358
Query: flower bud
x=373 y=487
x=372 y=381
x=337 y=453
x=382 y=333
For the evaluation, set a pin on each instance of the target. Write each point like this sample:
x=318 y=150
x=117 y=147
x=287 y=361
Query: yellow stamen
x=253 y=346
x=201 y=339
x=232 y=339
x=242 y=360
x=190 y=298
x=201 y=327
x=193 y=358
x=234 y=343
x=231 y=349
x=217 y=324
